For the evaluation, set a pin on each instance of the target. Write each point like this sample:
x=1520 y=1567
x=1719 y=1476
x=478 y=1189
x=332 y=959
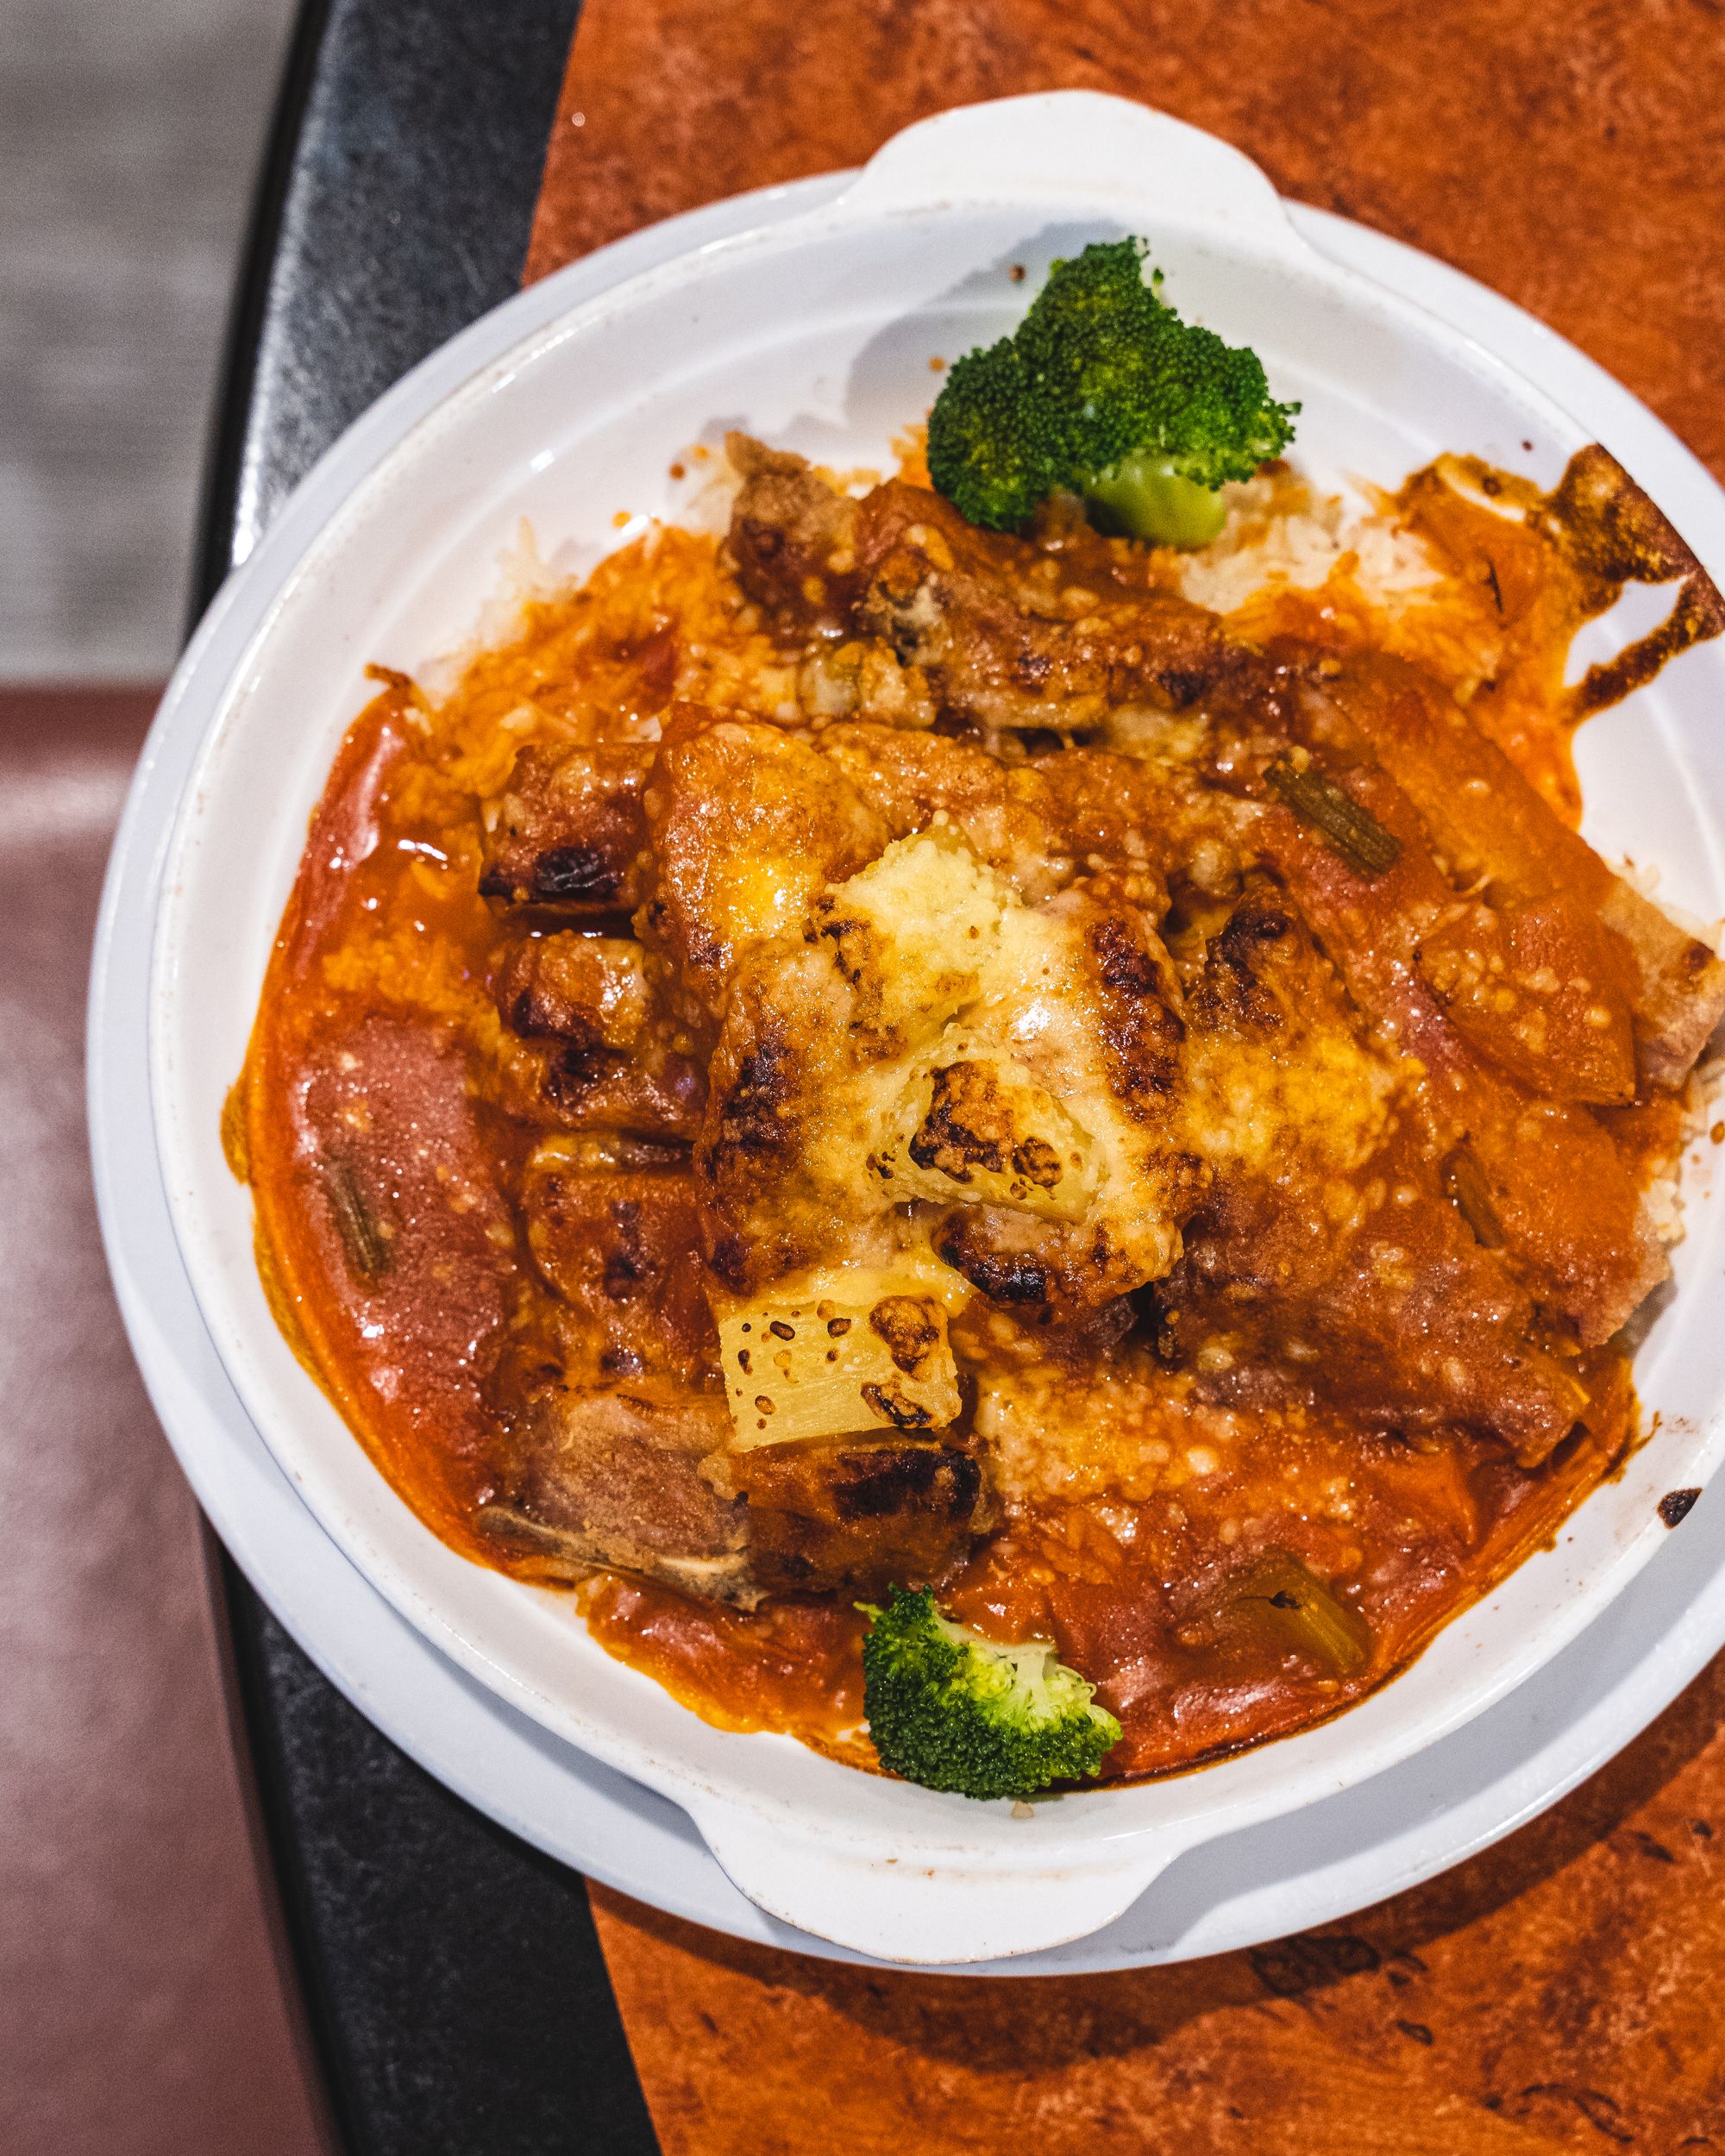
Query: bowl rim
x=570 y=320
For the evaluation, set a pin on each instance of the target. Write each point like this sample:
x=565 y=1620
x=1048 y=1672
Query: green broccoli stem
x=1144 y=498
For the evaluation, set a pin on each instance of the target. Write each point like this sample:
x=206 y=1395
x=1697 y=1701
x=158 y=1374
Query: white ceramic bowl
x=817 y=331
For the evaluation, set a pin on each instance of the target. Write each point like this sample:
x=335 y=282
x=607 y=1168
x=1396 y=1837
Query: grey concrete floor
x=130 y=132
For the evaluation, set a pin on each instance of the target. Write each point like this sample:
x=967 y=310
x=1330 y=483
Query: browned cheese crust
x=878 y=1051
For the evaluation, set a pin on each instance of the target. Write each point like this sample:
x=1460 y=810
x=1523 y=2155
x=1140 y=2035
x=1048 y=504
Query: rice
x=1282 y=535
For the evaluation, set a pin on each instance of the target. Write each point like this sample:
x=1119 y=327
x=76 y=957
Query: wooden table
x=1559 y=1992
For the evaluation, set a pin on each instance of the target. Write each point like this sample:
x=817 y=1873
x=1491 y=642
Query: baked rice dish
x=911 y=1108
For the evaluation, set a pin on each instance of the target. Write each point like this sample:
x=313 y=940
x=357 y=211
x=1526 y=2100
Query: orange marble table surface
x=1563 y=1989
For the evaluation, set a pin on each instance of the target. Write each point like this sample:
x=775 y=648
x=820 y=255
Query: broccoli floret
x=1105 y=391
x=996 y=461
x=953 y=1711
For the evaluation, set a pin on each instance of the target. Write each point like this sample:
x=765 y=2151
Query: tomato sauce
x=385 y=1121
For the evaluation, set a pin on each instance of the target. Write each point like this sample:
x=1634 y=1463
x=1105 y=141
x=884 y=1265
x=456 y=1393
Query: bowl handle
x=906 y=1908
x=1142 y=165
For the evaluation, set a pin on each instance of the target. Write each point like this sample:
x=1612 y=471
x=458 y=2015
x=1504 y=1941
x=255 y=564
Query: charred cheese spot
x=970 y=1125
x=914 y=1328
x=933 y=1039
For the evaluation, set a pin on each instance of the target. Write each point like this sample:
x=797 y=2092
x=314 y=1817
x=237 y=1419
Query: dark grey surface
x=395 y=209
x=453 y=1980
x=455 y=1986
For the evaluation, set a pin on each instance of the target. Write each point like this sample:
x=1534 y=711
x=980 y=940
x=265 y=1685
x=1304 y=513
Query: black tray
x=455 y=1989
